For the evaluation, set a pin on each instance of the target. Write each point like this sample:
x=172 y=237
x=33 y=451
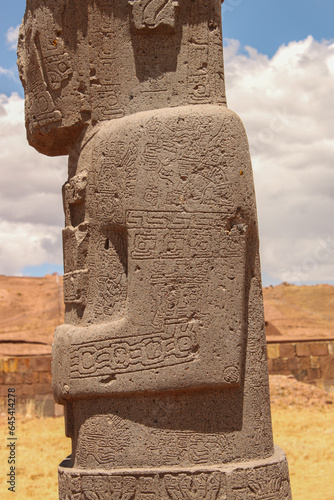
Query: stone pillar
x=161 y=363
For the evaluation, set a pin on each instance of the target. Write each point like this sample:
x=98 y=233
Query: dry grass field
x=303 y=422
x=303 y=415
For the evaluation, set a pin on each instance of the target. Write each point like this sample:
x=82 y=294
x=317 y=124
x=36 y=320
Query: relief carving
x=131 y=354
x=153 y=13
x=161 y=362
x=263 y=483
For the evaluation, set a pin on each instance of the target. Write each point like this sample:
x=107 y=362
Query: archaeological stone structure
x=161 y=363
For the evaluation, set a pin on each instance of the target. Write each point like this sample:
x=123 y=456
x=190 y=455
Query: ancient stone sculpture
x=161 y=363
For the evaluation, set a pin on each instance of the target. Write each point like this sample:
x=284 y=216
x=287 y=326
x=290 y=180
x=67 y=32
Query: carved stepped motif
x=161 y=363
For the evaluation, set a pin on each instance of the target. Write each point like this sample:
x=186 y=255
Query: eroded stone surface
x=84 y=61
x=163 y=220
x=257 y=480
x=161 y=363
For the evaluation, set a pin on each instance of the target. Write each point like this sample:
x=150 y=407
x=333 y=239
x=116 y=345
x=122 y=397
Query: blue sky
x=261 y=24
x=268 y=24
x=279 y=67
x=11 y=15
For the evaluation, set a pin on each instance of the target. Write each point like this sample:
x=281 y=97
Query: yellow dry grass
x=306 y=434
x=41 y=446
x=307 y=437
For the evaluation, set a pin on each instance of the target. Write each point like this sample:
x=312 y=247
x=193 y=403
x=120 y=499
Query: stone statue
x=161 y=363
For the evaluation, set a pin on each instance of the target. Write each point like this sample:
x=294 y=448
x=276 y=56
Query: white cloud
x=24 y=244
x=9 y=73
x=12 y=36
x=286 y=104
x=31 y=215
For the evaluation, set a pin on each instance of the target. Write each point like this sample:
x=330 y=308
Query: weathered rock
x=161 y=363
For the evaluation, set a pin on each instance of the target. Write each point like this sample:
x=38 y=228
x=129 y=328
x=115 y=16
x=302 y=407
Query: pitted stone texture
x=152 y=14
x=160 y=229
x=186 y=429
x=161 y=363
x=256 y=480
x=84 y=61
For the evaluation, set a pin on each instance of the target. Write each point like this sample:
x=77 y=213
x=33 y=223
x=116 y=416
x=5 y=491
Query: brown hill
x=31 y=308
x=299 y=311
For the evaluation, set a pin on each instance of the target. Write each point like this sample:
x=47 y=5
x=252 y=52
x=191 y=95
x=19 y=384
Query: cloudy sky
x=279 y=66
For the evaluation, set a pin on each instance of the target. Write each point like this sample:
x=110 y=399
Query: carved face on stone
x=55 y=88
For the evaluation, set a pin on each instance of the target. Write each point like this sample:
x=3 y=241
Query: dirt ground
x=287 y=392
x=303 y=424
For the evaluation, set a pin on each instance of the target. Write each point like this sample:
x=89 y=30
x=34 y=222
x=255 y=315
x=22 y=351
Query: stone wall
x=309 y=360
x=31 y=378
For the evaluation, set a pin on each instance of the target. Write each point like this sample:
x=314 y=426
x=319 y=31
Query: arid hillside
x=31 y=308
x=299 y=311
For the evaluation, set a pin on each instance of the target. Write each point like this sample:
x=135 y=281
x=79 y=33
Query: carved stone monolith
x=161 y=363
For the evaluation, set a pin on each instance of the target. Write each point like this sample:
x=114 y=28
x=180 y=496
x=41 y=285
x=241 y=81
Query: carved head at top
x=85 y=61
x=53 y=74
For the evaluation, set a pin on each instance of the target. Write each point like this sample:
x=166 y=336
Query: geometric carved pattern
x=266 y=479
x=131 y=354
